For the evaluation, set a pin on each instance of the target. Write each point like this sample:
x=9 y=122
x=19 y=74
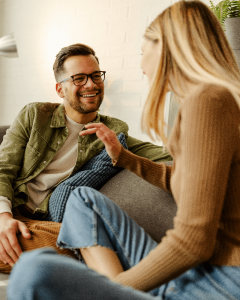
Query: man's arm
x=145 y=149
x=12 y=152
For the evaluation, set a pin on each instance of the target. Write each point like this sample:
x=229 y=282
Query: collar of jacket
x=58 y=118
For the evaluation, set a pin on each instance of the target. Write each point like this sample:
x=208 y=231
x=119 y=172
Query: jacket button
x=44 y=161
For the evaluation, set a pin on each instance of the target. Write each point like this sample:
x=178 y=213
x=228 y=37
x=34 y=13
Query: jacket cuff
x=5 y=205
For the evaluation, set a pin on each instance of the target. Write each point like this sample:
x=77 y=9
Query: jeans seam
x=94 y=231
x=121 y=244
x=219 y=287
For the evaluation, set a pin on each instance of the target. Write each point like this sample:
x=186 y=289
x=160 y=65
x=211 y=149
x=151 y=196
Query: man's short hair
x=72 y=50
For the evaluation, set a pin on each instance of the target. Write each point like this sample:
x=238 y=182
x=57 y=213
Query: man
x=43 y=146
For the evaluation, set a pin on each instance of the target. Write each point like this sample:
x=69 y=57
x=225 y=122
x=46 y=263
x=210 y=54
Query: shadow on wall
x=120 y=102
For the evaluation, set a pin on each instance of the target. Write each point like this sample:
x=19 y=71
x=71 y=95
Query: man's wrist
x=6 y=215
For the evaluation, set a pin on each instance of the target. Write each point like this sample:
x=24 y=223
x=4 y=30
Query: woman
x=184 y=50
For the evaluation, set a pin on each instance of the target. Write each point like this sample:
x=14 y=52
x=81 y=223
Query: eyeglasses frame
x=88 y=75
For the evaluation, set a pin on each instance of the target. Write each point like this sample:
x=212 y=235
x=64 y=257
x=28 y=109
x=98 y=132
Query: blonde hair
x=195 y=49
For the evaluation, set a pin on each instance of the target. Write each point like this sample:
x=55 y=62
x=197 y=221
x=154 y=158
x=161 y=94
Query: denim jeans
x=93 y=219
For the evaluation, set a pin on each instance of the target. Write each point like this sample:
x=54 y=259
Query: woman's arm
x=148 y=150
x=158 y=174
x=155 y=173
x=204 y=145
x=206 y=140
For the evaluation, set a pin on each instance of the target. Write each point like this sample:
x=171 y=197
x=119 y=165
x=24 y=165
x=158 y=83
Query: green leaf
x=226 y=9
x=234 y=9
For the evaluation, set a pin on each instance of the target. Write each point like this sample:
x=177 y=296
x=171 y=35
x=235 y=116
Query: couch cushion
x=150 y=207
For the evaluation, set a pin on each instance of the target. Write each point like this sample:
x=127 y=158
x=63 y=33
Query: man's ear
x=59 y=90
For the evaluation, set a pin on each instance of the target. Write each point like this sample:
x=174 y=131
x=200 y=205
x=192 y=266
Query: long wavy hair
x=195 y=50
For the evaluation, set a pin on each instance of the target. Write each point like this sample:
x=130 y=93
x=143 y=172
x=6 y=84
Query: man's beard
x=83 y=108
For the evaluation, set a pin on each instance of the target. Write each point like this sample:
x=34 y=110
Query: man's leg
x=42 y=274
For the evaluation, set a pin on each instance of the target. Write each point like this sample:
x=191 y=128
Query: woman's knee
x=84 y=192
x=85 y=200
x=78 y=200
x=87 y=195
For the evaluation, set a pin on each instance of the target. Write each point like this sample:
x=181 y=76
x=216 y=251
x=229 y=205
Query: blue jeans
x=93 y=219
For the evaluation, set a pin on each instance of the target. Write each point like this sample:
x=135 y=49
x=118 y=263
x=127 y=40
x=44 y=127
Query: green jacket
x=36 y=135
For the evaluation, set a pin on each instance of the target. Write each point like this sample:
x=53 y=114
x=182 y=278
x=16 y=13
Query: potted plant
x=228 y=13
x=226 y=9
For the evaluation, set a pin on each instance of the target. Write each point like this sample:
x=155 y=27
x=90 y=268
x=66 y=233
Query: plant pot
x=232 y=26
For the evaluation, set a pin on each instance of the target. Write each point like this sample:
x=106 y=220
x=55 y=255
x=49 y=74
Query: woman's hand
x=107 y=136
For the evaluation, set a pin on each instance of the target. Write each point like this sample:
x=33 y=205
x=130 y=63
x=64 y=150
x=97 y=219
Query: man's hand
x=107 y=136
x=10 y=249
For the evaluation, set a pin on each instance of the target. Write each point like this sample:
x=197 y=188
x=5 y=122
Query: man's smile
x=88 y=95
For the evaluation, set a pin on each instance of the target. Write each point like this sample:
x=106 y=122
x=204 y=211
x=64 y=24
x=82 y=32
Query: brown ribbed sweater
x=205 y=182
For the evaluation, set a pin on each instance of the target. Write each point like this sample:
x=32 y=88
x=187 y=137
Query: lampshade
x=8 y=46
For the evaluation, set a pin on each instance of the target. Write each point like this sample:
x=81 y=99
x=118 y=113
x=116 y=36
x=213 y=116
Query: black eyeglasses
x=81 y=79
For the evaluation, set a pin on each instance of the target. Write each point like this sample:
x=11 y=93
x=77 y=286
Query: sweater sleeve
x=145 y=169
x=148 y=150
x=205 y=152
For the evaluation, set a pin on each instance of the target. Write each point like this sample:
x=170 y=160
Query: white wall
x=114 y=28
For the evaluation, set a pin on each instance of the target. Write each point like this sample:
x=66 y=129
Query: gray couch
x=151 y=207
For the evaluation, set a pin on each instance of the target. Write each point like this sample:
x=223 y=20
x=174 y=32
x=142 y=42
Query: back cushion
x=150 y=207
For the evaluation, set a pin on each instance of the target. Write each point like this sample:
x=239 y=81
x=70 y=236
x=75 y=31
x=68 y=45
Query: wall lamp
x=8 y=46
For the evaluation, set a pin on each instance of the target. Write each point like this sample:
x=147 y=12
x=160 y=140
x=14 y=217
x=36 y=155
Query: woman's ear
x=59 y=90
